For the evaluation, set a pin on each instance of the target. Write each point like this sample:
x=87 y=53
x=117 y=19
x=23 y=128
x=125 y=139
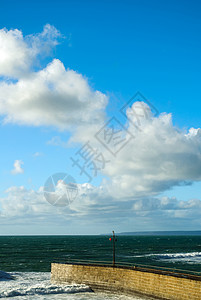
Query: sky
x=100 y=116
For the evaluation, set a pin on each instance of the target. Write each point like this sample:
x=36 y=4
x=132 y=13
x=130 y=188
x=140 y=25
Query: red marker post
x=114 y=240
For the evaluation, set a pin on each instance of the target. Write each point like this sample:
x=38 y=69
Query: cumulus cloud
x=158 y=157
x=17 y=167
x=14 y=53
x=18 y=53
x=22 y=202
x=52 y=96
x=26 y=206
x=94 y=205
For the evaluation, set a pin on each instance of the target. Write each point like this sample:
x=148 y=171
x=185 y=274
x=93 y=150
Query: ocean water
x=25 y=261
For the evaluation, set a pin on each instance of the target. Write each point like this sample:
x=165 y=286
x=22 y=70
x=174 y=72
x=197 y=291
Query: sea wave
x=179 y=255
x=189 y=257
x=43 y=290
x=28 y=284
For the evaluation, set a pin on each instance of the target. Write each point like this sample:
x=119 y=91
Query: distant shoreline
x=137 y=233
x=161 y=233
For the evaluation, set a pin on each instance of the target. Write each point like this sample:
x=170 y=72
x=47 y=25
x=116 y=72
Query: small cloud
x=36 y=154
x=56 y=141
x=17 y=167
x=70 y=40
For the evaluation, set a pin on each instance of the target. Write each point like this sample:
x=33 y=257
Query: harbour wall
x=128 y=280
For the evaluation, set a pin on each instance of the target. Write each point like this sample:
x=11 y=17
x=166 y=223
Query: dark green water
x=35 y=253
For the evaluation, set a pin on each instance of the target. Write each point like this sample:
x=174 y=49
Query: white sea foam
x=28 y=285
x=191 y=257
x=180 y=255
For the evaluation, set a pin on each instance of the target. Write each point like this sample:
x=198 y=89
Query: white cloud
x=166 y=204
x=17 y=167
x=94 y=206
x=53 y=96
x=36 y=154
x=21 y=203
x=159 y=157
x=56 y=141
x=18 y=53
x=15 y=57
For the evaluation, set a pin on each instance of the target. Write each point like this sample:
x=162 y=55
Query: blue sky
x=118 y=48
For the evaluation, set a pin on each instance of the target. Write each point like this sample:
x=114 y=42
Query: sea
x=25 y=261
